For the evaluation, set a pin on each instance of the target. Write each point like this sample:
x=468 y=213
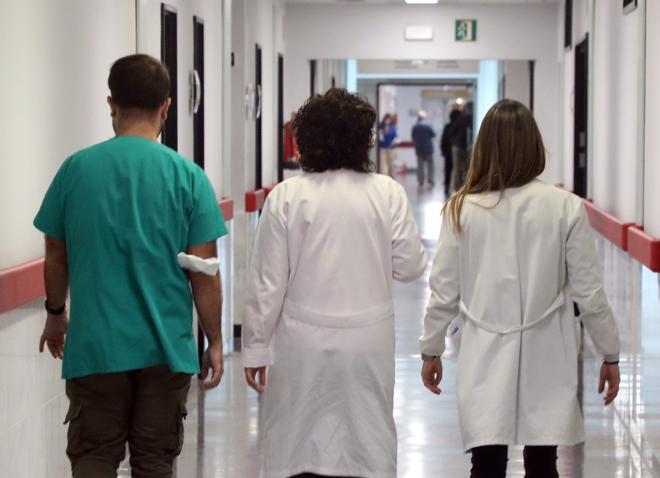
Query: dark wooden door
x=168 y=55
x=198 y=84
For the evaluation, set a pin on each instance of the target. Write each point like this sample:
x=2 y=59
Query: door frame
x=199 y=139
x=581 y=170
x=168 y=137
x=280 y=117
x=258 y=115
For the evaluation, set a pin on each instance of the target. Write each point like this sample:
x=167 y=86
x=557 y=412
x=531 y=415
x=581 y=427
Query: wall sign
x=466 y=30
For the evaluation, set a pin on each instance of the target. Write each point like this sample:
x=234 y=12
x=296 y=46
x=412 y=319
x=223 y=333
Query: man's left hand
x=54 y=334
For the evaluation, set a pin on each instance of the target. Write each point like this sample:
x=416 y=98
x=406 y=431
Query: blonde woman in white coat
x=319 y=309
x=513 y=254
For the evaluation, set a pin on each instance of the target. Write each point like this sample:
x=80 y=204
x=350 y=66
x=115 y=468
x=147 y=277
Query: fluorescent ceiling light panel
x=419 y=33
x=412 y=2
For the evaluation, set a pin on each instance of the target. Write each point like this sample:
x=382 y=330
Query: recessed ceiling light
x=410 y=2
x=418 y=33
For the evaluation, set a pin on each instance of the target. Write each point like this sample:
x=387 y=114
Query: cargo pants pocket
x=75 y=447
x=182 y=414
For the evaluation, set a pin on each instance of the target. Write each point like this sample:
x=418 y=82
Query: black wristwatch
x=56 y=312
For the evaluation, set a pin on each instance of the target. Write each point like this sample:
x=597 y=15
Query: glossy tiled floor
x=622 y=442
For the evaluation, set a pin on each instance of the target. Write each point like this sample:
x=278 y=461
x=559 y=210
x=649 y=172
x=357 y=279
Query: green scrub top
x=126 y=207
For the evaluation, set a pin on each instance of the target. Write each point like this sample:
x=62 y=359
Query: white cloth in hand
x=197 y=264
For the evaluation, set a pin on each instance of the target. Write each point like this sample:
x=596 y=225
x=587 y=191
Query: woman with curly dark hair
x=319 y=309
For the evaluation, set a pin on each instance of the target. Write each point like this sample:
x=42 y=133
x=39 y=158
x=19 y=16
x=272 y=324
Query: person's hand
x=256 y=378
x=609 y=372
x=432 y=374
x=213 y=360
x=54 y=334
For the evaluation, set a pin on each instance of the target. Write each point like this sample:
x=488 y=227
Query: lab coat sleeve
x=268 y=276
x=445 y=292
x=585 y=281
x=409 y=256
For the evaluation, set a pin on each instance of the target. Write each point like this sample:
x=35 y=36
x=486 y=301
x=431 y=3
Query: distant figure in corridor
x=116 y=216
x=422 y=135
x=446 y=149
x=513 y=254
x=319 y=310
x=388 y=136
x=461 y=136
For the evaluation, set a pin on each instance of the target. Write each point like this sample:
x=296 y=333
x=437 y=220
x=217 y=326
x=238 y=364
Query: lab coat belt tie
x=558 y=302
x=338 y=321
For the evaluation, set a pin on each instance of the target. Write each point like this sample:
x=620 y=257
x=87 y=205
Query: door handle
x=196 y=94
x=249 y=101
x=258 y=112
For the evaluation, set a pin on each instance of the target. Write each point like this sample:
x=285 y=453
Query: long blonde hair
x=509 y=153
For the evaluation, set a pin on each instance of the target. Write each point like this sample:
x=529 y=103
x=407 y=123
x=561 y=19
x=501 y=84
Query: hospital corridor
x=222 y=429
x=329 y=239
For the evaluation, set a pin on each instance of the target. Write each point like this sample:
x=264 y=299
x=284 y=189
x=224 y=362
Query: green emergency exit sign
x=466 y=30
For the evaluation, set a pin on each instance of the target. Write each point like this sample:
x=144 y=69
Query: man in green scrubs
x=115 y=217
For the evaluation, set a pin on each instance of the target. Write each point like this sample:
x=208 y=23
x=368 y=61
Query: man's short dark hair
x=335 y=131
x=139 y=81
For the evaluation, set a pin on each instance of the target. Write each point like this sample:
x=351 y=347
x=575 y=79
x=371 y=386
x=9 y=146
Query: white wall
x=487 y=90
x=356 y=31
x=253 y=22
x=52 y=91
x=616 y=103
x=516 y=87
x=618 y=86
x=652 y=146
x=568 y=118
x=210 y=12
x=53 y=103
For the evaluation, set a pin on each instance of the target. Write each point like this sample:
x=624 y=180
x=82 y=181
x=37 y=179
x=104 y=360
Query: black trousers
x=449 y=165
x=490 y=461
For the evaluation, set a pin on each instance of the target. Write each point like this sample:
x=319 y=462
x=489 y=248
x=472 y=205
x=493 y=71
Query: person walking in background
x=446 y=149
x=460 y=136
x=422 y=135
x=115 y=217
x=513 y=255
x=291 y=152
x=319 y=309
x=387 y=142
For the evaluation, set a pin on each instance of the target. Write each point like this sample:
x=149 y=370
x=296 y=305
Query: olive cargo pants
x=144 y=407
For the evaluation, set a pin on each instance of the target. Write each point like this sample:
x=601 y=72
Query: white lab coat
x=319 y=312
x=513 y=273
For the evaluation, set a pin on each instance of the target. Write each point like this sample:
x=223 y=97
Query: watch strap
x=57 y=311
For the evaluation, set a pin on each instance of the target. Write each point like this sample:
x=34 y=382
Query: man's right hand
x=54 y=334
x=212 y=360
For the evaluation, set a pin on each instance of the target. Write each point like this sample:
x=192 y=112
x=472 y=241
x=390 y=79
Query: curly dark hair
x=335 y=131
